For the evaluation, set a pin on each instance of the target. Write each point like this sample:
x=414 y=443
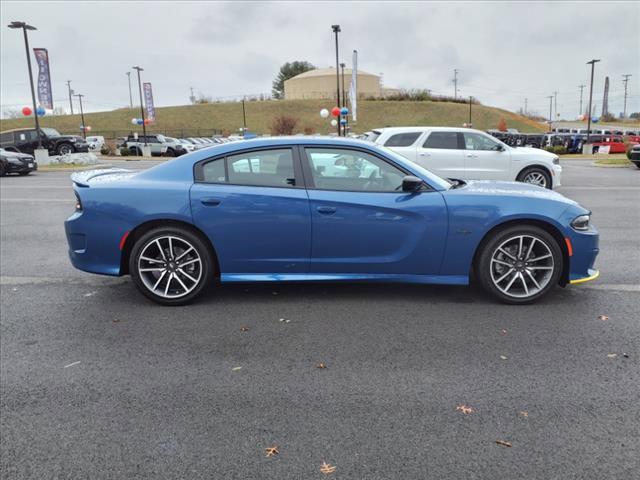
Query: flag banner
x=353 y=88
x=45 y=97
x=148 y=101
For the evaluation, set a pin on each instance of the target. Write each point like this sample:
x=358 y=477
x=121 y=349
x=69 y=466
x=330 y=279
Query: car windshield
x=431 y=177
x=50 y=132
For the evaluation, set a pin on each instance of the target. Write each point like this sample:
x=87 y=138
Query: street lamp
x=84 y=127
x=470 y=103
x=336 y=30
x=130 y=97
x=24 y=26
x=144 y=127
x=593 y=64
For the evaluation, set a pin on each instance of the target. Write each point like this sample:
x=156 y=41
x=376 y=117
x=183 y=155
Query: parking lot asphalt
x=98 y=382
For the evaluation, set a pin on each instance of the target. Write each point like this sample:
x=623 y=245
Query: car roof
x=425 y=128
x=19 y=129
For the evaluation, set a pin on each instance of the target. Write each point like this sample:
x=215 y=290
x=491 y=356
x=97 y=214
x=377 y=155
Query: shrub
x=559 y=149
x=125 y=152
x=283 y=125
x=309 y=130
x=105 y=150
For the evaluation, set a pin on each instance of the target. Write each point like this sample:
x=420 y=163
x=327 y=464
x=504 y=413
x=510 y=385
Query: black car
x=25 y=140
x=635 y=155
x=15 y=162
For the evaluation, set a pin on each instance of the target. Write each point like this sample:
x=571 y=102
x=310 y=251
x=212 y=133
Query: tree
x=287 y=71
x=502 y=125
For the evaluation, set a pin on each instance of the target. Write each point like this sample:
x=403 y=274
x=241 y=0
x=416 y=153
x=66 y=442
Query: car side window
x=6 y=137
x=262 y=168
x=442 y=140
x=476 y=141
x=352 y=170
x=402 y=139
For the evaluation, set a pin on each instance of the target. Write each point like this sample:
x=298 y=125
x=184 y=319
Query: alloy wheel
x=65 y=149
x=522 y=266
x=536 y=178
x=170 y=266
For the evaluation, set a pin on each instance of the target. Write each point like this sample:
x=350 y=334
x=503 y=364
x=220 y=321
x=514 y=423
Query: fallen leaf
x=503 y=443
x=235 y=369
x=287 y=321
x=503 y=332
x=625 y=355
x=524 y=414
x=327 y=468
x=503 y=357
x=281 y=320
x=90 y=294
x=244 y=329
x=603 y=317
x=271 y=451
x=321 y=365
x=116 y=320
x=612 y=355
x=465 y=409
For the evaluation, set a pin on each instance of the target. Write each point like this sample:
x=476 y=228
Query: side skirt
x=344 y=277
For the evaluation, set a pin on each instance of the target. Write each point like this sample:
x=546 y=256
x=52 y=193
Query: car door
x=486 y=159
x=362 y=221
x=254 y=207
x=26 y=141
x=441 y=153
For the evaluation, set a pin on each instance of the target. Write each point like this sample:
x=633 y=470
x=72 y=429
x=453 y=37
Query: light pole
x=625 y=81
x=344 y=99
x=130 y=97
x=470 y=103
x=593 y=64
x=144 y=127
x=336 y=30
x=70 y=93
x=24 y=26
x=84 y=127
x=550 y=97
x=244 y=119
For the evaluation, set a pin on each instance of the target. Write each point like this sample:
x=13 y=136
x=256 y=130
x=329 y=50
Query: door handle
x=471 y=155
x=424 y=154
x=210 y=201
x=326 y=210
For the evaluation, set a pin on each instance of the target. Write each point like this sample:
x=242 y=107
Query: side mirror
x=411 y=183
x=499 y=148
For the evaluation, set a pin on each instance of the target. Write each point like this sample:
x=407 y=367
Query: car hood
x=511 y=189
x=20 y=155
x=532 y=152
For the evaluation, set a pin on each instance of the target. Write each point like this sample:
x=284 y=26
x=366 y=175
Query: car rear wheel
x=535 y=176
x=171 y=266
x=170 y=153
x=65 y=149
x=520 y=264
x=2 y=170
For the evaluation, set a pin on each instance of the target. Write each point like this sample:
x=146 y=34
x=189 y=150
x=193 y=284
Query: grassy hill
x=187 y=120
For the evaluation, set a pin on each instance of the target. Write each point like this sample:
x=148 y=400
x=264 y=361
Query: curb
x=600 y=165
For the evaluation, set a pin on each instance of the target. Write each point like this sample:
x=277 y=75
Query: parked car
x=467 y=154
x=16 y=162
x=614 y=143
x=159 y=144
x=25 y=140
x=96 y=142
x=263 y=210
x=635 y=155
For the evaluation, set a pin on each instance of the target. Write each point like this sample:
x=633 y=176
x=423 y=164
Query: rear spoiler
x=81 y=179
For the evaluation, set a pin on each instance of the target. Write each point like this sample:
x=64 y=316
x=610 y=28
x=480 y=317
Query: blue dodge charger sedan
x=322 y=209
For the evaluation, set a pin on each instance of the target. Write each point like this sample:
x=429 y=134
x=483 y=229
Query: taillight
x=78 y=203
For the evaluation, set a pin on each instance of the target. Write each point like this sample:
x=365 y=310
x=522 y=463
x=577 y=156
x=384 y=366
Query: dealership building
x=321 y=84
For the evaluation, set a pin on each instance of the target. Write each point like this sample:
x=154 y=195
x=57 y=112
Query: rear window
x=402 y=139
x=445 y=140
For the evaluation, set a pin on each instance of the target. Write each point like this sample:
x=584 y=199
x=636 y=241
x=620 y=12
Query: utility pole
x=192 y=97
x=130 y=97
x=625 y=81
x=70 y=93
x=344 y=99
x=581 y=87
x=144 y=127
x=555 y=103
x=244 y=118
x=593 y=64
x=455 y=83
x=525 y=106
x=470 y=104
x=84 y=127
x=24 y=26
x=550 y=97
x=336 y=30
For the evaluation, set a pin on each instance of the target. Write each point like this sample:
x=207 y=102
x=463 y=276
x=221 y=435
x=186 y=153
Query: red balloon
x=26 y=111
x=335 y=111
x=147 y=121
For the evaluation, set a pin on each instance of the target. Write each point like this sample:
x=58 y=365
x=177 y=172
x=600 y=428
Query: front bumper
x=585 y=249
x=22 y=167
x=556 y=174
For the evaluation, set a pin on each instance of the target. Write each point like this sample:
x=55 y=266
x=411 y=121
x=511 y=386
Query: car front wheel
x=535 y=176
x=520 y=264
x=65 y=149
x=171 y=266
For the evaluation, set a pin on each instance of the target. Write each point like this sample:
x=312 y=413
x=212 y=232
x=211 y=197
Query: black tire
x=527 y=174
x=3 y=171
x=487 y=264
x=134 y=152
x=64 y=149
x=170 y=153
x=637 y=164
x=146 y=242
x=24 y=174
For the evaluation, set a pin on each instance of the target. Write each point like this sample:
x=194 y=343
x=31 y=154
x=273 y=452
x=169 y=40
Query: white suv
x=469 y=154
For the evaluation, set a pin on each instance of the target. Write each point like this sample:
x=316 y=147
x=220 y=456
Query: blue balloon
x=41 y=111
x=595 y=119
x=139 y=121
x=344 y=111
x=343 y=121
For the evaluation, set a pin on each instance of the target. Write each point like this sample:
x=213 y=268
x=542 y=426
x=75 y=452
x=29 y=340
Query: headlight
x=556 y=160
x=581 y=223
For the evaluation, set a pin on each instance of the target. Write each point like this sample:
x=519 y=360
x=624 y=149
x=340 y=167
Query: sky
x=504 y=51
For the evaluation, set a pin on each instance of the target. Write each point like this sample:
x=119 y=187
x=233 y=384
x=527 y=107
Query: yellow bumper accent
x=586 y=279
